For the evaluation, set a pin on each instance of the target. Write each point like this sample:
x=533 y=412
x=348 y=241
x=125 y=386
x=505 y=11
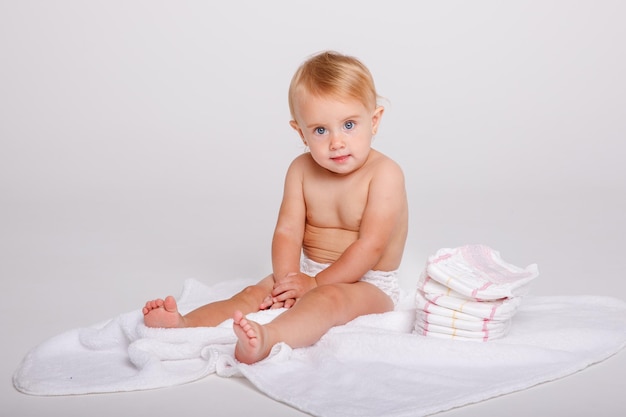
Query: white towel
x=389 y=370
x=477 y=271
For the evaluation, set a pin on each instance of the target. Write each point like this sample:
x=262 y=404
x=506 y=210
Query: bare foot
x=252 y=345
x=162 y=313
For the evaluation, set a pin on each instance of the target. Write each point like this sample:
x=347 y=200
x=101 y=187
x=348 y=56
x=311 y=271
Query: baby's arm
x=289 y=231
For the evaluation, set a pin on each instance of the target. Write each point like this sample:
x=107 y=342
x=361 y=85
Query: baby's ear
x=378 y=114
x=294 y=126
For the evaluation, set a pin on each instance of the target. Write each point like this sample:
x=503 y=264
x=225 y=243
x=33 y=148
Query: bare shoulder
x=301 y=162
x=385 y=168
x=300 y=165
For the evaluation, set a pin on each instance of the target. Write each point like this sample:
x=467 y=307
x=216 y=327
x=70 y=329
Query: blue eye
x=348 y=125
x=320 y=130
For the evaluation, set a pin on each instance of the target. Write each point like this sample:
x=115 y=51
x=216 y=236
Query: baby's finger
x=284 y=296
x=267 y=303
x=283 y=288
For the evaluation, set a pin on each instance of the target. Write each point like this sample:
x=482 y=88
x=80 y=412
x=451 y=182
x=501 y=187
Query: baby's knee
x=253 y=294
x=332 y=294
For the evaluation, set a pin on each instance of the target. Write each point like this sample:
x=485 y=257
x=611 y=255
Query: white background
x=145 y=142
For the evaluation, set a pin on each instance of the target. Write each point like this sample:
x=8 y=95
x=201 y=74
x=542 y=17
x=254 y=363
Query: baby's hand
x=292 y=287
x=269 y=303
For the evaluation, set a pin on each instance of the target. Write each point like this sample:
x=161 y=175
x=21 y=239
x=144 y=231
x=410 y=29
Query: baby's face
x=338 y=132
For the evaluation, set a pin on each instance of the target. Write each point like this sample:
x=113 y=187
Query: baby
x=341 y=228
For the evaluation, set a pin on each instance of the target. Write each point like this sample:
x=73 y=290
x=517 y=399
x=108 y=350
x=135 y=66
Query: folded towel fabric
x=389 y=370
x=401 y=375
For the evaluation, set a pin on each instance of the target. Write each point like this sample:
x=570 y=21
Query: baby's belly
x=326 y=244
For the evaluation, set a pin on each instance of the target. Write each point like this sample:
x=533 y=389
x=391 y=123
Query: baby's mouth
x=341 y=158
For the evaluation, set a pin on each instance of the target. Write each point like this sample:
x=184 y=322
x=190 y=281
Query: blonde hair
x=332 y=74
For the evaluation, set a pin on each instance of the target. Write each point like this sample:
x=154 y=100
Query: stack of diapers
x=469 y=293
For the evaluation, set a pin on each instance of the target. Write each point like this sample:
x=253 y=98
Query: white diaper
x=386 y=281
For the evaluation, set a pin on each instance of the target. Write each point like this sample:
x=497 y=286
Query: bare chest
x=336 y=203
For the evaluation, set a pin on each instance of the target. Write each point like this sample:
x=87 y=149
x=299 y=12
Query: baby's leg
x=309 y=319
x=164 y=313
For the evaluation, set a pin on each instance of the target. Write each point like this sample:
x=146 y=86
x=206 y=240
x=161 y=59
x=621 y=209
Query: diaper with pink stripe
x=470 y=293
